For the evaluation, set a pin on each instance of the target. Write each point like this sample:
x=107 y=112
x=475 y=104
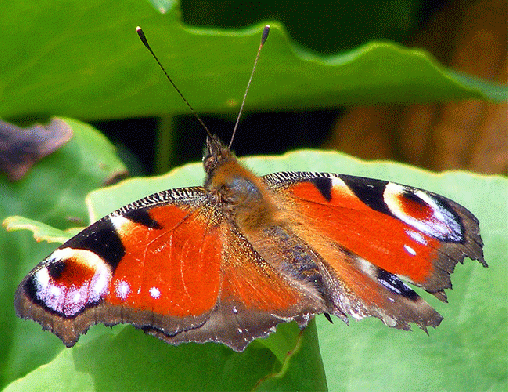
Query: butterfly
x=228 y=261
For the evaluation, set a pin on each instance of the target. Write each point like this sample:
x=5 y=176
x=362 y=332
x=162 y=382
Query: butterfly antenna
x=266 y=30
x=145 y=42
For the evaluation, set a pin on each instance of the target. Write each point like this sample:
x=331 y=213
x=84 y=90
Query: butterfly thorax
x=242 y=195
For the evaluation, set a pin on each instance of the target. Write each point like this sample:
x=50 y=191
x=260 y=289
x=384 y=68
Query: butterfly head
x=216 y=155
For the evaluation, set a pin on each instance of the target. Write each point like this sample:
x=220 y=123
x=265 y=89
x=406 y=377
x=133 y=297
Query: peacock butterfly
x=228 y=261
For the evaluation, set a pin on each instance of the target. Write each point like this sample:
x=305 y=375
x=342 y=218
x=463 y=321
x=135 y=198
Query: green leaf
x=51 y=195
x=138 y=362
x=466 y=352
x=84 y=59
x=41 y=231
x=133 y=361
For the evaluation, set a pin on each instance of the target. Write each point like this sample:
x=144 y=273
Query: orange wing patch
x=250 y=280
x=172 y=270
x=383 y=240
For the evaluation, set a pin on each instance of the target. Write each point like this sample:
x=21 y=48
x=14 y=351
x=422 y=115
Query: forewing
x=171 y=264
x=155 y=262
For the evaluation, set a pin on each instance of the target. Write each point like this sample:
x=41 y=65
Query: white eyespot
x=440 y=223
x=99 y=285
x=47 y=292
x=409 y=250
x=235 y=310
x=155 y=292
x=76 y=296
x=239 y=330
x=122 y=289
x=417 y=237
x=75 y=300
x=68 y=294
x=42 y=279
x=55 y=292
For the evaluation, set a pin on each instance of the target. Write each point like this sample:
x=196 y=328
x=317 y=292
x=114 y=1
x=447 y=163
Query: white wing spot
x=155 y=292
x=417 y=237
x=122 y=289
x=100 y=282
x=338 y=182
x=42 y=279
x=55 y=292
x=76 y=297
x=118 y=221
x=409 y=250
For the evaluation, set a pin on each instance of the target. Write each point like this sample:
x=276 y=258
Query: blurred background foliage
x=467 y=36
x=85 y=58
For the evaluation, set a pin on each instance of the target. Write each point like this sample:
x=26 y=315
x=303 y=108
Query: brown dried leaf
x=21 y=148
x=469 y=37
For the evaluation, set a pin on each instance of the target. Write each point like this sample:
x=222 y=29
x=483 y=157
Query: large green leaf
x=128 y=360
x=83 y=59
x=467 y=352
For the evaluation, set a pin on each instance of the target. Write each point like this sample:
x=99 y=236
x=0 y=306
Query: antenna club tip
x=141 y=35
x=266 y=30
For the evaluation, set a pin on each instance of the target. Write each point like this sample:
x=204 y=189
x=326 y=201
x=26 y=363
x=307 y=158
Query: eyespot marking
x=56 y=286
x=424 y=212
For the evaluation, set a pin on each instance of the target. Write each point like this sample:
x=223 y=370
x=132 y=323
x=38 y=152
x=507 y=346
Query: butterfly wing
x=374 y=234
x=171 y=264
x=254 y=297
